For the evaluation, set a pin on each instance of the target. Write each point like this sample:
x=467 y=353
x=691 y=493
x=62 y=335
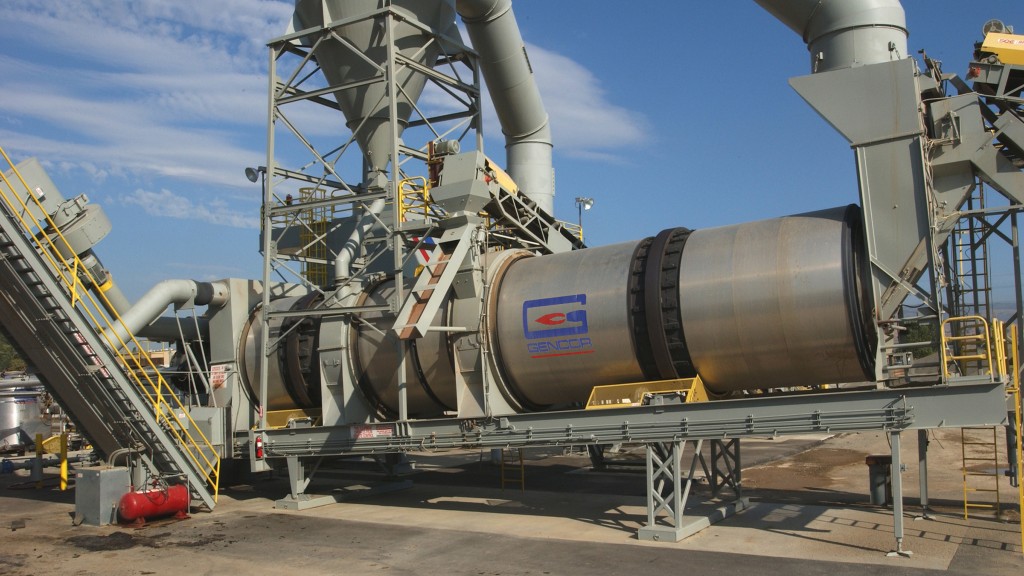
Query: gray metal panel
x=211 y=422
x=896 y=219
x=98 y=490
x=865 y=104
x=876 y=108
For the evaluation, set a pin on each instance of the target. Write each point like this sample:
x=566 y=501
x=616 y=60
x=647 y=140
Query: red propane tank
x=143 y=505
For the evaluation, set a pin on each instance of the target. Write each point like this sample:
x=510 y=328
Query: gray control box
x=98 y=490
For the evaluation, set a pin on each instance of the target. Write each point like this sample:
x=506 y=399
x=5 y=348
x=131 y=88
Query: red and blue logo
x=556 y=326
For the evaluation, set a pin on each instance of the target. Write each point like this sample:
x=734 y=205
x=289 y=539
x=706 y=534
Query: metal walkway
x=118 y=398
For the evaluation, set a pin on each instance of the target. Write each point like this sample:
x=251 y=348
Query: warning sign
x=372 y=431
x=218 y=376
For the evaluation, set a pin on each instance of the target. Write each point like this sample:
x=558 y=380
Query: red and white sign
x=369 y=431
x=218 y=376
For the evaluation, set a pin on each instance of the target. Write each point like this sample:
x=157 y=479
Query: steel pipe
x=506 y=68
x=176 y=292
x=845 y=33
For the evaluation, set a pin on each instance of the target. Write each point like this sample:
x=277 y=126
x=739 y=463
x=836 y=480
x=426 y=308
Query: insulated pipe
x=495 y=35
x=167 y=329
x=343 y=263
x=845 y=33
x=159 y=297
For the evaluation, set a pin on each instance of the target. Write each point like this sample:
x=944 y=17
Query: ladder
x=118 y=399
x=513 y=469
x=980 y=449
x=972 y=289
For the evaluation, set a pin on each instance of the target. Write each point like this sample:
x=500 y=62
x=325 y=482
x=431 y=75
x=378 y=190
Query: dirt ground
x=809 y=514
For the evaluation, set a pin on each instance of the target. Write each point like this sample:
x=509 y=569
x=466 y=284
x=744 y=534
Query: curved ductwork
x=495 y=35
x=845 y=33
x=176 y=292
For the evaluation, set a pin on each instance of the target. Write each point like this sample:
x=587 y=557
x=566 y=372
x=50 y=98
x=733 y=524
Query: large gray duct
x=176 y=292
x=495 y=35
x=845 y=33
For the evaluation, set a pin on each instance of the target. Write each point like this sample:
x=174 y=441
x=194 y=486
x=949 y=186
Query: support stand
x=897 y=497
x=299 y=480
x=922 y=470
x=667 y=493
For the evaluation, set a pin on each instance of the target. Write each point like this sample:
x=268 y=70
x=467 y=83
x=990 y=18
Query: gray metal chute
x=506 y=68
x=845 y=33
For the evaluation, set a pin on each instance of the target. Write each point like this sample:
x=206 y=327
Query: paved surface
x=809 y=516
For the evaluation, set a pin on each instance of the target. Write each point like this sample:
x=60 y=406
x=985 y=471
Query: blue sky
x=676 y=114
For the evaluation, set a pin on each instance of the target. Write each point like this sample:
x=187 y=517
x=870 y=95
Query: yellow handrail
x=412 y=198
x=1015 y=390
x=984 y=354
x=69 y=271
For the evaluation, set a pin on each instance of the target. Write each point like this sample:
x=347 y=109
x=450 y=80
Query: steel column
x=897 y=496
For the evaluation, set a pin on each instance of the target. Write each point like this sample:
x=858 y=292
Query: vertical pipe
x=922 y=469
x=63 y=461
x=494 y=33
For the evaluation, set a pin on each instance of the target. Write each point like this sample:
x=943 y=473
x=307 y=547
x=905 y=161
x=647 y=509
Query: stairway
x=118 y=399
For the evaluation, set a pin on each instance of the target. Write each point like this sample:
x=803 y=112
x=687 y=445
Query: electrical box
x=98 y=490
x=1008 y=47
x=213 y=425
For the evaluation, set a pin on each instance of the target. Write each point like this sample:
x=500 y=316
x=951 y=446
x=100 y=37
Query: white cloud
x=167 y=204
x=584 y=123
x=149 y=88
x=117 y=91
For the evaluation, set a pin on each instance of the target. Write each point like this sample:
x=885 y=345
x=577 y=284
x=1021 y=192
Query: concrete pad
x=808 y=517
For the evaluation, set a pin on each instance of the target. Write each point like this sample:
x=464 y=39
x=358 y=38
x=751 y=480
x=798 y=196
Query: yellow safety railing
x=313 y=232
x=1001 y=368
x=973 y=330
x=1014 y=390
x=414 y=200
x=573 y=228
x=69 y=271
x=635 y=393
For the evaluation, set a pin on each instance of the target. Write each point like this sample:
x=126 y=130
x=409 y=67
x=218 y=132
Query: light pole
x=583 y=203
x=253 y=173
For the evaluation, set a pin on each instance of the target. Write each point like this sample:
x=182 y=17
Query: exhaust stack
x=495 y=35
x=845 y=33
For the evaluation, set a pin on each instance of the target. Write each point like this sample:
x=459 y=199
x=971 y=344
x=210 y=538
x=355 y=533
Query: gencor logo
x=551 y=317
x=556 y=326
